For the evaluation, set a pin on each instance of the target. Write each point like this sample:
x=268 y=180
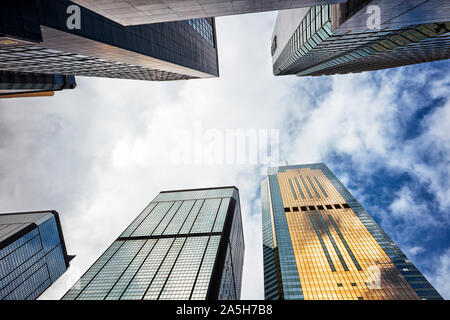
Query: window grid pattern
x=237 y=248
x=168 y=252
x=371 y=266
x=147 y=271
x=177 y=222
x=165 y=222
x=204 y=28
x=271 y=267
x=315 y=50
x=182 y=277
x=84 y=281
x=31 y=263
x=160 y=51
x=227 y=288
x=292 y=189
x=131 y=269
x=221 y=215
x=32 y=58
x=206 y=217
x=204 y=274
x=152 y=221
x=105 y=279
x=128 y=231
x=291 y=287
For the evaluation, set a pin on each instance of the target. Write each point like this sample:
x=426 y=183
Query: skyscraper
x=186 y=244
x=21 y=84
x=59 y=37
x=150 y=11
x=320 y=244
x=32 y=254
x=360 y=35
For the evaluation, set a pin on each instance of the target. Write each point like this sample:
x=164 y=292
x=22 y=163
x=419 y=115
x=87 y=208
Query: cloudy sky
x=100 y=153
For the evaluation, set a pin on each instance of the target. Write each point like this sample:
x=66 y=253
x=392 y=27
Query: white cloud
x=406 y=208
x=439 y=277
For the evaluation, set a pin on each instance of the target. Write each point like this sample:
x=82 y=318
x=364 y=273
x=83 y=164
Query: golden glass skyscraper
x=320 y=244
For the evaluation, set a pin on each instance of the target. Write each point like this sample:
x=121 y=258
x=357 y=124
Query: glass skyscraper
x=61 y=37
x=360 y=35
x=32 y=254
x=186 y=244
x=320 y=244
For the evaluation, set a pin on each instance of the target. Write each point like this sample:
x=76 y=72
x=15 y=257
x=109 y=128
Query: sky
x=100 y=153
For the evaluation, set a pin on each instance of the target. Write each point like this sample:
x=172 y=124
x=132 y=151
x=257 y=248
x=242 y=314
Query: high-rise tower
x=32 y=254
x=360 y=35
x=61 y=37
x=320 y=244
x=186 y=244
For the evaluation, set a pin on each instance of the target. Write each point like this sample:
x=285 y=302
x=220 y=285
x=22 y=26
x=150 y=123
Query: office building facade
x=360 y=35
x=21 y=84
x=320 y=244
x=32 y=254
x=186 y=245
x=148 y=11
x=60 y=37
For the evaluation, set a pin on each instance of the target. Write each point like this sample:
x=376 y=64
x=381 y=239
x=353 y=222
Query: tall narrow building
x=320 y=244
x=360 y=35
x=32 y=254
x=186 y=244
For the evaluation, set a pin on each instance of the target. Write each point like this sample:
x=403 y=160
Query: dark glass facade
x=320 y=244
x=339 y=38
x=186 y=244
x=37 y=36
x=22 y=83
x=32 y=254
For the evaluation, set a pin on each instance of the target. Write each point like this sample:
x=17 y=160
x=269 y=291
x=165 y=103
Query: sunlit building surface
x=360 y=35
x=150 y=11
x=60 y=37
x=186 y=244
x=32 y=254
x=320 y=244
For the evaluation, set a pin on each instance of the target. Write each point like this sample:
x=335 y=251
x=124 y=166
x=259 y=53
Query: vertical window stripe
x=306 y=187
x=293 y=190
x=299 y=189
x=344 y=265
x=325 y=250
x=320 y=186
x=345 y=244
x=314 y=188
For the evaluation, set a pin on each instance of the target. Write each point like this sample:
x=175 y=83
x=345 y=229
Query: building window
x=294 y=208
x=337 y=206
x=287 y=209
x=329 y=207
x=345 y=205
x=320 y=207
x=304 y=208
x=311 y=208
